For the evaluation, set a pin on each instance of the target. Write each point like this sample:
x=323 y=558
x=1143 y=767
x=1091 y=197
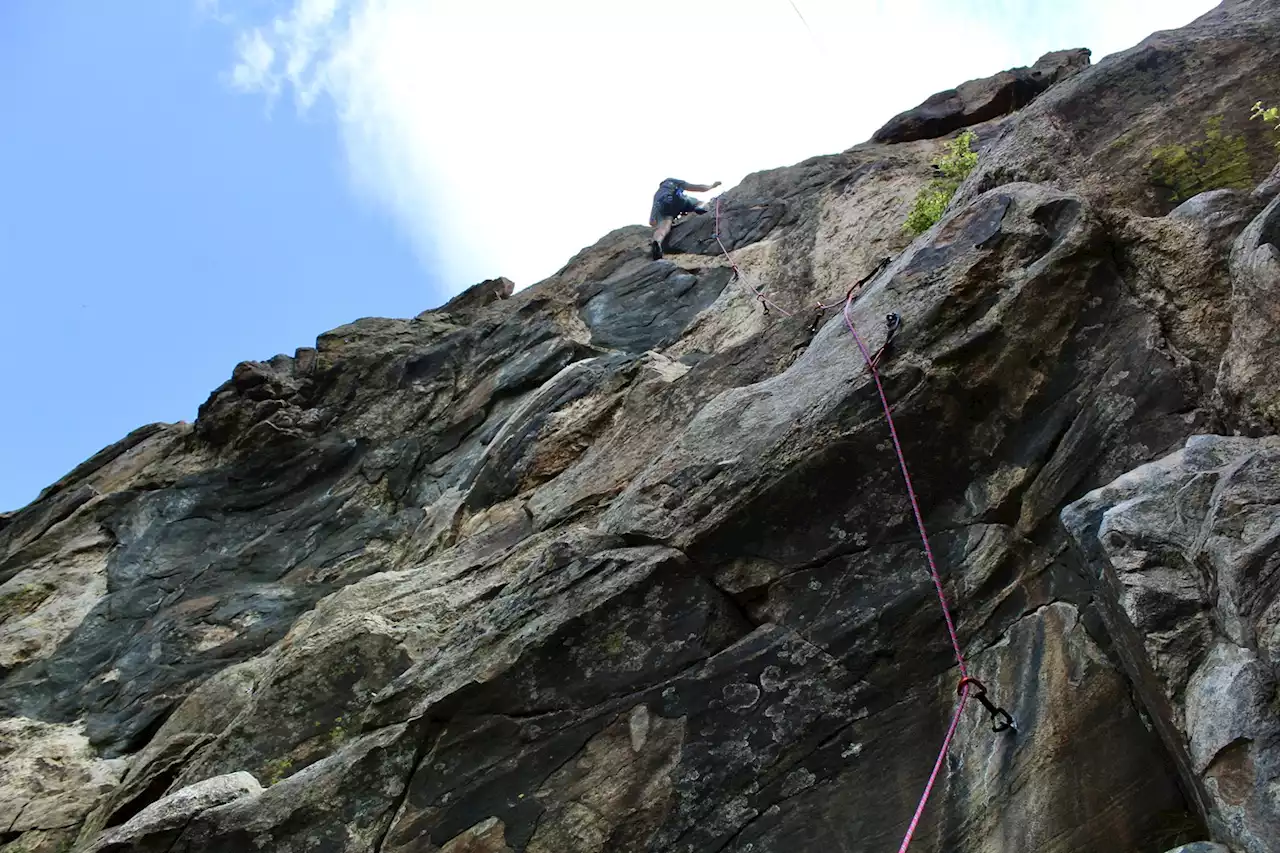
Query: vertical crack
x=427 y=743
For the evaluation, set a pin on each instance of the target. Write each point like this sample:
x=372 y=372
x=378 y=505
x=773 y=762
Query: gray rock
x=1223 y=212
x=1185 y=550
x=623 y=562
x=467 y=304
x=1098 y=131
x=51 y=777
x=200 y=718
x=156 y=827
x=1249 y=362
x=743 y=221
x=1269 y=188
x=977 y=101
x=710 y=479
x=650 y=308
x=343 y=803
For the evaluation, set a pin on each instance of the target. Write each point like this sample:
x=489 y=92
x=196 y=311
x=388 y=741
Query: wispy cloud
x=212 y=10
x=502 y=136
x=256 y=59
x=294 y=50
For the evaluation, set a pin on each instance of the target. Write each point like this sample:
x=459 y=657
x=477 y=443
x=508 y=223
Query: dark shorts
x=669 y=207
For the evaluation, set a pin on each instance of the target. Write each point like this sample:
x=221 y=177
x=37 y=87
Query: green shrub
x=932 y=200
x=277 y=770
x=1271 y=115
x=338 y=733
x=1217 y=161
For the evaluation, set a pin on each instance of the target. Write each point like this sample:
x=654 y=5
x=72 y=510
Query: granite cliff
x=623 y=561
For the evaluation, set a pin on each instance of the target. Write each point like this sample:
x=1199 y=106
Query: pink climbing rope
x=853 y=291
x=911 y=492
x=937 y=768
x=893 y=432
x=965 y=682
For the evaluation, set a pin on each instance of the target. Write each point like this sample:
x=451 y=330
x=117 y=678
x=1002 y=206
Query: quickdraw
x=1001 y=721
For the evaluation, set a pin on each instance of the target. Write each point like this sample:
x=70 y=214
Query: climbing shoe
x=655 y=250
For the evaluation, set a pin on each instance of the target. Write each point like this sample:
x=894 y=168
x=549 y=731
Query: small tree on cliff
x=1271 y=115
x=955 y=166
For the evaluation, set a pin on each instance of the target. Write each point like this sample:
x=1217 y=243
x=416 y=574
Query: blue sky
x=192 y=183
x=157 y=229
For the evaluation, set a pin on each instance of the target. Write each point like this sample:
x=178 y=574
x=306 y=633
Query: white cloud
x=212 y=10
x=503 y=136
x=253 y=68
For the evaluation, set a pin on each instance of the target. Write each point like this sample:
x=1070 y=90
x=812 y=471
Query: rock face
x=160 y=824
x=1247 y=375
x=977 y=101
x=51 y=778
x=623 y=562
x=1096 y=132
x=1188 y=551
x=467 y=304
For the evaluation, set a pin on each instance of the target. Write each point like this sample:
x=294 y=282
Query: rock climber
x=670 y=202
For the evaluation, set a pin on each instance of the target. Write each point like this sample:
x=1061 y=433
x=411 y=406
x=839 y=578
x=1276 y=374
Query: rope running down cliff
x=1001 y=719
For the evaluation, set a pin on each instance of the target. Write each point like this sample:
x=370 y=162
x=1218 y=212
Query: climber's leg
x=661 y=228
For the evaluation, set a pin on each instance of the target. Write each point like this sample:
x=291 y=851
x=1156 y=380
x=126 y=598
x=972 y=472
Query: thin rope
x=966 y=683
x=759 y=294
x=911 y=492
x=893 y=432
x=937 y=768
x=802 y=19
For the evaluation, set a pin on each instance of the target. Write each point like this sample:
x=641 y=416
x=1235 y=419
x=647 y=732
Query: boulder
x=976 y=101
x=1249 y=362
x=155 y=828
x=469 y=302
x=1185 y=551
x=1098 y=131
